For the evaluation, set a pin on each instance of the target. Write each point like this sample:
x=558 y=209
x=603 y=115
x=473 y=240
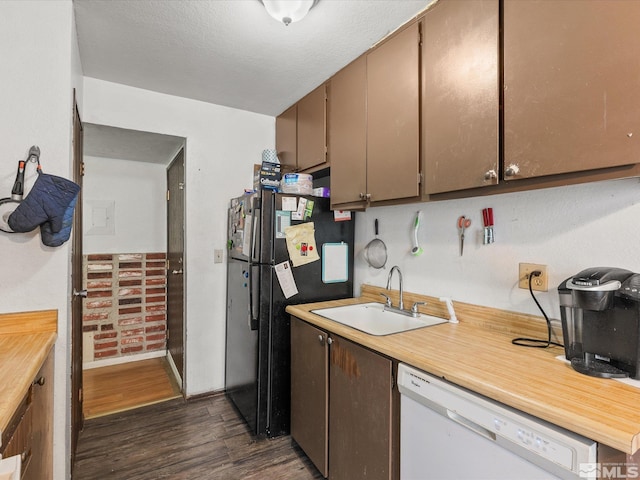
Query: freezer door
x=243 y=230
x=241 y=366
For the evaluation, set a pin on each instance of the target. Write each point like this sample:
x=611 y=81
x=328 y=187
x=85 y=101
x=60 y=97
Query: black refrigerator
x=257 y=368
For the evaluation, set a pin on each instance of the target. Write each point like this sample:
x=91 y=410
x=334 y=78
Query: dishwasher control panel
x=535 y=441
x=530 y=437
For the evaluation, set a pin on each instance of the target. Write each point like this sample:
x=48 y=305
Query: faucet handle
x=388 y=301
x=414 y=309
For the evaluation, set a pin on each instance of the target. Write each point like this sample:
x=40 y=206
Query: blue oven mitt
x=47 y=201
x=51 y=239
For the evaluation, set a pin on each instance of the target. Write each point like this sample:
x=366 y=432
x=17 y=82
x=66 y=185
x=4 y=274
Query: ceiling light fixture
x=288 y=11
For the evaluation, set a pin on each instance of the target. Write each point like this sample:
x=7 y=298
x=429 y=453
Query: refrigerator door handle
x=255 y=216
x=253 y=297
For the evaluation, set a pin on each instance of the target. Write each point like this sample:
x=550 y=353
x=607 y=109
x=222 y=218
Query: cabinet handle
x=365 y=196
x=490 y=175
x=512 y=170
x=329 y=340
x=321 y=339
x=40 y=381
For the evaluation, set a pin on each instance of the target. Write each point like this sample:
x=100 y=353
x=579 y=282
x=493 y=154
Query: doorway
x=125 y=314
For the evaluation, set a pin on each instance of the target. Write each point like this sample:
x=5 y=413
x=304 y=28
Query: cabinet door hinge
x=82 y=169
x=420 y=177
x=168 y=194
x=393 y=381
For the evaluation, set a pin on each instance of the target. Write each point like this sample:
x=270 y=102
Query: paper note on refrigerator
x=286 y=280
x=301 y=243
x=290 y=204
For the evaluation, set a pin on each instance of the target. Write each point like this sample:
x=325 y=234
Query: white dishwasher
x=447 y=432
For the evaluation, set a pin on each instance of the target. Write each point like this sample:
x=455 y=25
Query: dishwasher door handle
x=471 y=425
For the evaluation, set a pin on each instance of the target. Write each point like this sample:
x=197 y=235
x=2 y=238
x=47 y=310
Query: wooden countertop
x=477 y=354
x=25 y=341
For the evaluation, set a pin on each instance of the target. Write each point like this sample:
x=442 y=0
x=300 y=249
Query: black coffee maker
x=600 y=311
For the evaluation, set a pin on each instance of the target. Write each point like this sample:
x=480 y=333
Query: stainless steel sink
x=372 y=318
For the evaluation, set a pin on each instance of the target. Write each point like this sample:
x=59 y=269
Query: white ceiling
x=121 y=143
x=229 y=52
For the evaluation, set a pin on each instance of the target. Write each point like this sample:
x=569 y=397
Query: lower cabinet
x=342 y=405
x=30 y=432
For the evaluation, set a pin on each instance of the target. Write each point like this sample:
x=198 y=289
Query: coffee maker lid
x=599 y=279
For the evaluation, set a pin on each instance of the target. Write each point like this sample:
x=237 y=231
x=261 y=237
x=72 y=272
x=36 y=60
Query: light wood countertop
x=25 y=341
x=477 y=354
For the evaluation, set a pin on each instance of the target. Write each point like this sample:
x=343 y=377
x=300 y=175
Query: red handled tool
x=487 y=217
x=463 y=224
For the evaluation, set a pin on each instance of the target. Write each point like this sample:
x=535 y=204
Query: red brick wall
x=126 y=304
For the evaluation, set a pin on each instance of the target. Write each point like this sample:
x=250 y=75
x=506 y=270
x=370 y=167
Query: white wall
x=567 y=228
x=138 y=192
x=222 y=144
x=39 y=67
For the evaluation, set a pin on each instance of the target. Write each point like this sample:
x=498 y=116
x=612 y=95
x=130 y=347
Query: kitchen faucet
x=400 y=308
x=389 y=277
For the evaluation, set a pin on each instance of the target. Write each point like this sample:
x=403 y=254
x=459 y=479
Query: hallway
x=127 y=386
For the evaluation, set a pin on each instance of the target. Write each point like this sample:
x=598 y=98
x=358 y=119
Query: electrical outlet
x=539 y=283
x=217 y=256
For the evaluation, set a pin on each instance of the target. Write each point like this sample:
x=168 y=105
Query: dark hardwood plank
x=198 y=439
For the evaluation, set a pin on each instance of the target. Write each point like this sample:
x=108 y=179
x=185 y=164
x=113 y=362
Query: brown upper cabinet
x=312 y=133
x=347 y=113
x=301 y=139
x=571 y=78
x=286 y=137
x=393 y=117
x=460 y=100
x=374 y=117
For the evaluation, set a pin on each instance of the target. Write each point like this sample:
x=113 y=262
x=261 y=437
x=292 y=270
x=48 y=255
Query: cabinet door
x=571 y=77
x=20 y=442
x=393 y=81
x=309 y=391
x=286 y=137
x=347 y=125
x=312 y=133
x=360 y=431
x=460 y=102
x=41 y=467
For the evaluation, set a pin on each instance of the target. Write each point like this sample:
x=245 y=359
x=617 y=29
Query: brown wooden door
x=310 y=392
x=360 y=413
x=77 y=419
x=393 y=117
x=347 y=133
x=312 y=132
x=571 y=91
x=286 y=137
x=175 y=263
x=460 y=101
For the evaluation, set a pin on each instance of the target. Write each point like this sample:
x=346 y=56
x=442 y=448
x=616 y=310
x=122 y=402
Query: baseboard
x=127 y=359
x=175 y=371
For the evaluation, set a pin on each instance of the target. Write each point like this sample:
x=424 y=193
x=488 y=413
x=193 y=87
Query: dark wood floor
x=198 y=439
